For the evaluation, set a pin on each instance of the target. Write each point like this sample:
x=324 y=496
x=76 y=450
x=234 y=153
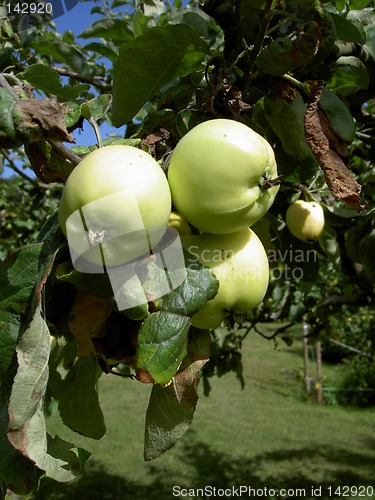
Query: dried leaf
x=26 y=119
x=47 y=164
x=337 y=175
x=87 y=319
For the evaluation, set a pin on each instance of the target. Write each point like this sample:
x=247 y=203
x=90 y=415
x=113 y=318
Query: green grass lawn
x=265 y=436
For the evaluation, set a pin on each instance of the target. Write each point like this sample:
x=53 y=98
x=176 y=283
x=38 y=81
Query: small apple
x=222 y=176
x=305 y=220
x=240 y=263
x=115 y=206
x=179 y=223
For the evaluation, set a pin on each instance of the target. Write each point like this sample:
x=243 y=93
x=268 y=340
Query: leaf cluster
x=61 y=330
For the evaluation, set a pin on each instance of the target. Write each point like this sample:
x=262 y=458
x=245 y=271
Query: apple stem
x=94 y=125
x=269 y=183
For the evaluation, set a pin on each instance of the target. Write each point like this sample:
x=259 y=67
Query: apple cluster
x=223 y=179
x=117 y=204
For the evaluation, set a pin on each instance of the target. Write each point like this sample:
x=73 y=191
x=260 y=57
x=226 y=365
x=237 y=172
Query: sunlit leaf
x=171 y=408
x=148 y=62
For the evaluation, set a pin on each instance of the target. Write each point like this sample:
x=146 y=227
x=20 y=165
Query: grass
x=265 y=436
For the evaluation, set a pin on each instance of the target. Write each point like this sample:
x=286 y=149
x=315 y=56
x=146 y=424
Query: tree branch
x=105 y=87
x=64 y=152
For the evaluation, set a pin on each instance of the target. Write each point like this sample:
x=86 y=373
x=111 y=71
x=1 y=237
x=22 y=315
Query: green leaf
x=73 y=382
x=49 y=229
x=7 y=128
x=366 y=254
x=161 y=346
x=359 y=4
x=278 y=113
x=349 y=74
x=95 y=284
x=116 y=30
x=48 y=80
x=72 y=113
x=171 y=409
x=347 y=31
x=329 y=244
x=370 y=40
x=27 y=426
x=364 y=17
x=62 y=52
x=140 y=22
x=340 y=4
x=352 y=237
x=96 y=108
x=250 y=16
x=150 y=61
x=338 y=114
x=104 y=50
x=199 y=286
x=17 y=472
x=69 y=453
x=30 y=382
x=23 y=272
x=133 y=294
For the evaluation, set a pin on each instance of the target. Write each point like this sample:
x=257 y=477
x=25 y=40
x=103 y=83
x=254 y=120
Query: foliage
x=301 y=73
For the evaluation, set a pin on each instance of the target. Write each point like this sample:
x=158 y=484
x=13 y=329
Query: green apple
x=305 y=220
x=222 y=176
x=240 y=263
x=115 y=206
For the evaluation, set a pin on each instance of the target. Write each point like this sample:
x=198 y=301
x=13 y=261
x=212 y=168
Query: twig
x=297 y=83
x=125 y=375
x=65 y=152
x=106 y=87
x=279 y=330
x=257 y=47
x=22 y=174
x=370 y=139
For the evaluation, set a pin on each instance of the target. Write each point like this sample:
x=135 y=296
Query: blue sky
x=77 y=20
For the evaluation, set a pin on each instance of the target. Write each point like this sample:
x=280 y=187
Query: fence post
x=305 y=332
x=318 y=347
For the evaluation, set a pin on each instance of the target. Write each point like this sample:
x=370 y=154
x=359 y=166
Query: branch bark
x=92 y=80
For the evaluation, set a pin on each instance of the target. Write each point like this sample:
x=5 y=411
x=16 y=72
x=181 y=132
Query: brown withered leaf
x=150 y=142
x=337 y=175
x=43 y=118
x=283 y=89
x=336 y=142
x=87 y=319
x=47 y=164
